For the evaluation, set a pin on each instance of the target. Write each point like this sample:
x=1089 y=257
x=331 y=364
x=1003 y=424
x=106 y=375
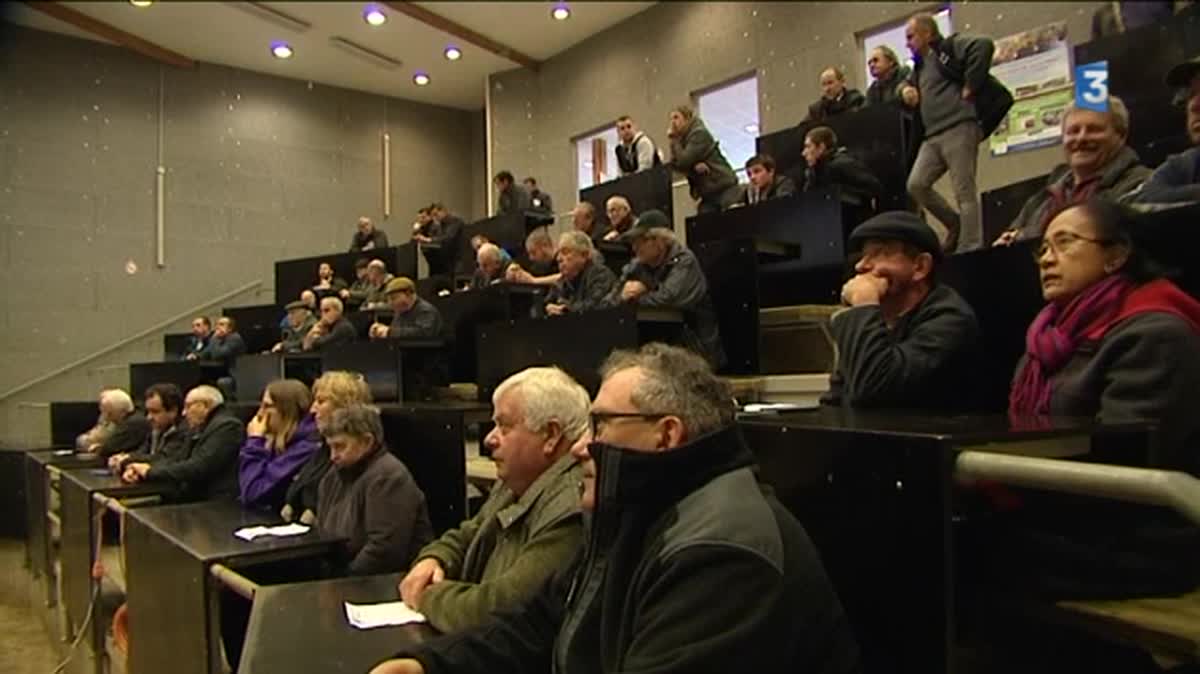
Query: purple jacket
x=264 y=476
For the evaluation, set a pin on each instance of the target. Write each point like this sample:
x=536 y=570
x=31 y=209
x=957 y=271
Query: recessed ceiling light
x=420 y=78
x=751 y=129
x=561 y=12
x=141 y=3
x=281 y=50
x=452 y=53
x=374 y=16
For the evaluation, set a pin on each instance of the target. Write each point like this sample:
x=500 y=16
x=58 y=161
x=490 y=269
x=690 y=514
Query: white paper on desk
x=366 y=616
x=251 y=533
x=763 y=408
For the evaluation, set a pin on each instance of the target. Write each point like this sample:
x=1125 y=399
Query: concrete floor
x=25 y=647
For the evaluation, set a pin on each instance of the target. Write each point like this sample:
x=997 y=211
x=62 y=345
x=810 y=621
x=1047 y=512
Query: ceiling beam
x=439 y=22
x=112 y=34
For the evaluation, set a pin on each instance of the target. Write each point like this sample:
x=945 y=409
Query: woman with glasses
x=1116 y=340
x=279 y=440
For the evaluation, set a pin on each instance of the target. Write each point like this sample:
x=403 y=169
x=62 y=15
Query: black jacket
x=513 y=200
x=782 y=186
x=587 y=291
x=376 y=238
x=127 y=436
x=170 y=445
x=928 y=360
x=303 y=492
x=541 y=202
x=887 y=91
x=824 y=108
x=665 y=586
x=225 y=349
x=207 y=467
x=965 y=60
x=423 y=321
x=342 y=332
x=845 y=172
x=195 y=345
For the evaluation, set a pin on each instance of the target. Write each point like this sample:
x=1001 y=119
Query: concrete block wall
x=658 y=58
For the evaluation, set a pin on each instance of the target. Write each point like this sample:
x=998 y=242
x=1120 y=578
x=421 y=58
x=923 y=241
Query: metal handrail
x=161 y=325
x=233 y=580
x=1170 y=489
x=119 y=506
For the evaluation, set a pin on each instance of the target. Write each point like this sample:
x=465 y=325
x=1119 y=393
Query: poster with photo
x=1035 y=65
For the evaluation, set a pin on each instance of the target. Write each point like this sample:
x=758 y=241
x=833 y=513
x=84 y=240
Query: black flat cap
x=646 y=221
x=1181 y=75
x=297 y=304
x=897 y=226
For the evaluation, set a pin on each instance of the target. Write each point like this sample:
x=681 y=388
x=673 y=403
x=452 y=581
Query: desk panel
x=297 y=275
x=644 y=190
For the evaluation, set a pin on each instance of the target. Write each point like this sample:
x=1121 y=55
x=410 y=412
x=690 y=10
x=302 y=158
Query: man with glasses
x=904 y=339
x=1178 y=179
x=690 y=565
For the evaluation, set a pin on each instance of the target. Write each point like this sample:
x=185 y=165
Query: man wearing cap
x=664 y=274
x=412 y=317
x=904 y=339
x=299 y=321
x=1178 y=179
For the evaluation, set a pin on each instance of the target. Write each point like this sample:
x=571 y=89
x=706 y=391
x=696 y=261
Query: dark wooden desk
x=302 y=627
x=169 y=551
x=69 y=419
x=395 y=369
x=39 y=546
x=875 y=492
x=644 y=190
x=464 y=312
x=258 y=325
x=297 y=275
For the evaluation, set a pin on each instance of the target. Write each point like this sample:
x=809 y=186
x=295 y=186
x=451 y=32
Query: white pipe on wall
x=387 y=175
x=160 y=178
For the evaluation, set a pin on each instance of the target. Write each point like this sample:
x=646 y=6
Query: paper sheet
x=251 y=533
x=366 y=616
x=761 y=408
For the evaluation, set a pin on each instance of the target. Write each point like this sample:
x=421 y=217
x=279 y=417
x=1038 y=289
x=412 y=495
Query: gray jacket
x=342 y=332
x=207 y=466
x=423 y=321
x=588 y=291
x=886 y=91
x=293 y=338
x=698 y=145
x=514 y=200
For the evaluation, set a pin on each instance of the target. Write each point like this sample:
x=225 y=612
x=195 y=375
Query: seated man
x=356 y=294
x=583 y=219
x=367 y=237
x=584 y=282
x=764 y=184
x=332 y=329
x=835 y=98
x=691 y=565
x=529 y=527
x=168 y=434
x=121 y=428
x=1178 y=179
x=832 y=166
x=542 y=267
x=538 y=200
x=207 y=466
x=906 y=340
x=440 y=239
x=201 y=332
x=620 y=217
x=299 y=321
x=492 y=262
x=412 y=317
x=664 y=274
x=327 y=284
x=378 y=277
x=226 y=344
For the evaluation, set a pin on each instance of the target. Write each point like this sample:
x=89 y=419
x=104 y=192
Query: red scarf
x=1058 y=331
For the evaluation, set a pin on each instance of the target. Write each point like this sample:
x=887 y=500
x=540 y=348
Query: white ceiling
x=230 y=33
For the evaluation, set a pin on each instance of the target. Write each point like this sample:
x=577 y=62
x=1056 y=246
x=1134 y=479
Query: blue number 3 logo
x=1091 y=86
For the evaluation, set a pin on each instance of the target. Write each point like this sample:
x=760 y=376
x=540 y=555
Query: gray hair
x=539 y=237
x=549 y=394
x=1117 y=112
x=357 y=421
x=334 y=302
x=678 y=382
x=116 y=399
x=576 y=241
x=210 y=395
x=618 y=199
x=377 y=264
x=488 y=250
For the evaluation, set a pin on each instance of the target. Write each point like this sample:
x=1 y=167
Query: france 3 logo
x=1091 y=86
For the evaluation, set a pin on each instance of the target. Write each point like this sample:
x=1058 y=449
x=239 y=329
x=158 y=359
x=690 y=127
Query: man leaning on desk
x=530 y=525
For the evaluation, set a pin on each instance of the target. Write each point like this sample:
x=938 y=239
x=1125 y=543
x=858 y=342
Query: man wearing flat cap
x=300 y=320
x=904 y=340
x=664 y=274
x=412 y=317
x=1178 y=179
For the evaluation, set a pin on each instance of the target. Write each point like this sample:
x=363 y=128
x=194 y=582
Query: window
x=730 y=112
x=893 y=36
x=595 y=157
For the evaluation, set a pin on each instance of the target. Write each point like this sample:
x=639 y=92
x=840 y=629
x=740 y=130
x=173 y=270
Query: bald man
x=835 y=98
x=367 y=237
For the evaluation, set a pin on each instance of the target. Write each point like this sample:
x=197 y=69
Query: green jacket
x=502 y=555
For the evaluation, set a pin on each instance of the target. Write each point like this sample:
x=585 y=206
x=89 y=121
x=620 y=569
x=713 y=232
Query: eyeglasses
x=598 y=419
x=1063 y=242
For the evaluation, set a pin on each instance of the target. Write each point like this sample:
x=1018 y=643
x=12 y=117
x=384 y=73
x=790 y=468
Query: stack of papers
x=767 y=408
x=251 y=533
x=366 y=616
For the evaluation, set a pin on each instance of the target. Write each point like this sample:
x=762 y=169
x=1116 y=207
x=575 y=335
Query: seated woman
x=279 y=440
x=369 y=497
x=1098 y=163
x=331 y=391
x=1116 y=341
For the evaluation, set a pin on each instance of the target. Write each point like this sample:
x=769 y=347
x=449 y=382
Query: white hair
x=549 y=394
x=117 y=400
x=618 y=199
x=1117 y=112
x=539 y=237
x=576 y=241
x=209 y=394
x=488 y=250
x=335 y=302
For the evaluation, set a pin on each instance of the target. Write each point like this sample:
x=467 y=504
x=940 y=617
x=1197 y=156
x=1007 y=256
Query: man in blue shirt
x=1178 y=179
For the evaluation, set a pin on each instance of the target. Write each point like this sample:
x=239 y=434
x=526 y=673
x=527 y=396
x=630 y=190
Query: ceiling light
x=452 y=53
x=281 y=50
x=420 y=78
x=561 y=12
x=751 y=129
x=374 y=16
x=141 y=3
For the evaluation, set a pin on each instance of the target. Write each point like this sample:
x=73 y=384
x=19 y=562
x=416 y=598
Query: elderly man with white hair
x=530 y=526
x=120 y=428
x=620 y=216
x=207 y=468
x=584 y=282
x=331 y=329
x=491 y=264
